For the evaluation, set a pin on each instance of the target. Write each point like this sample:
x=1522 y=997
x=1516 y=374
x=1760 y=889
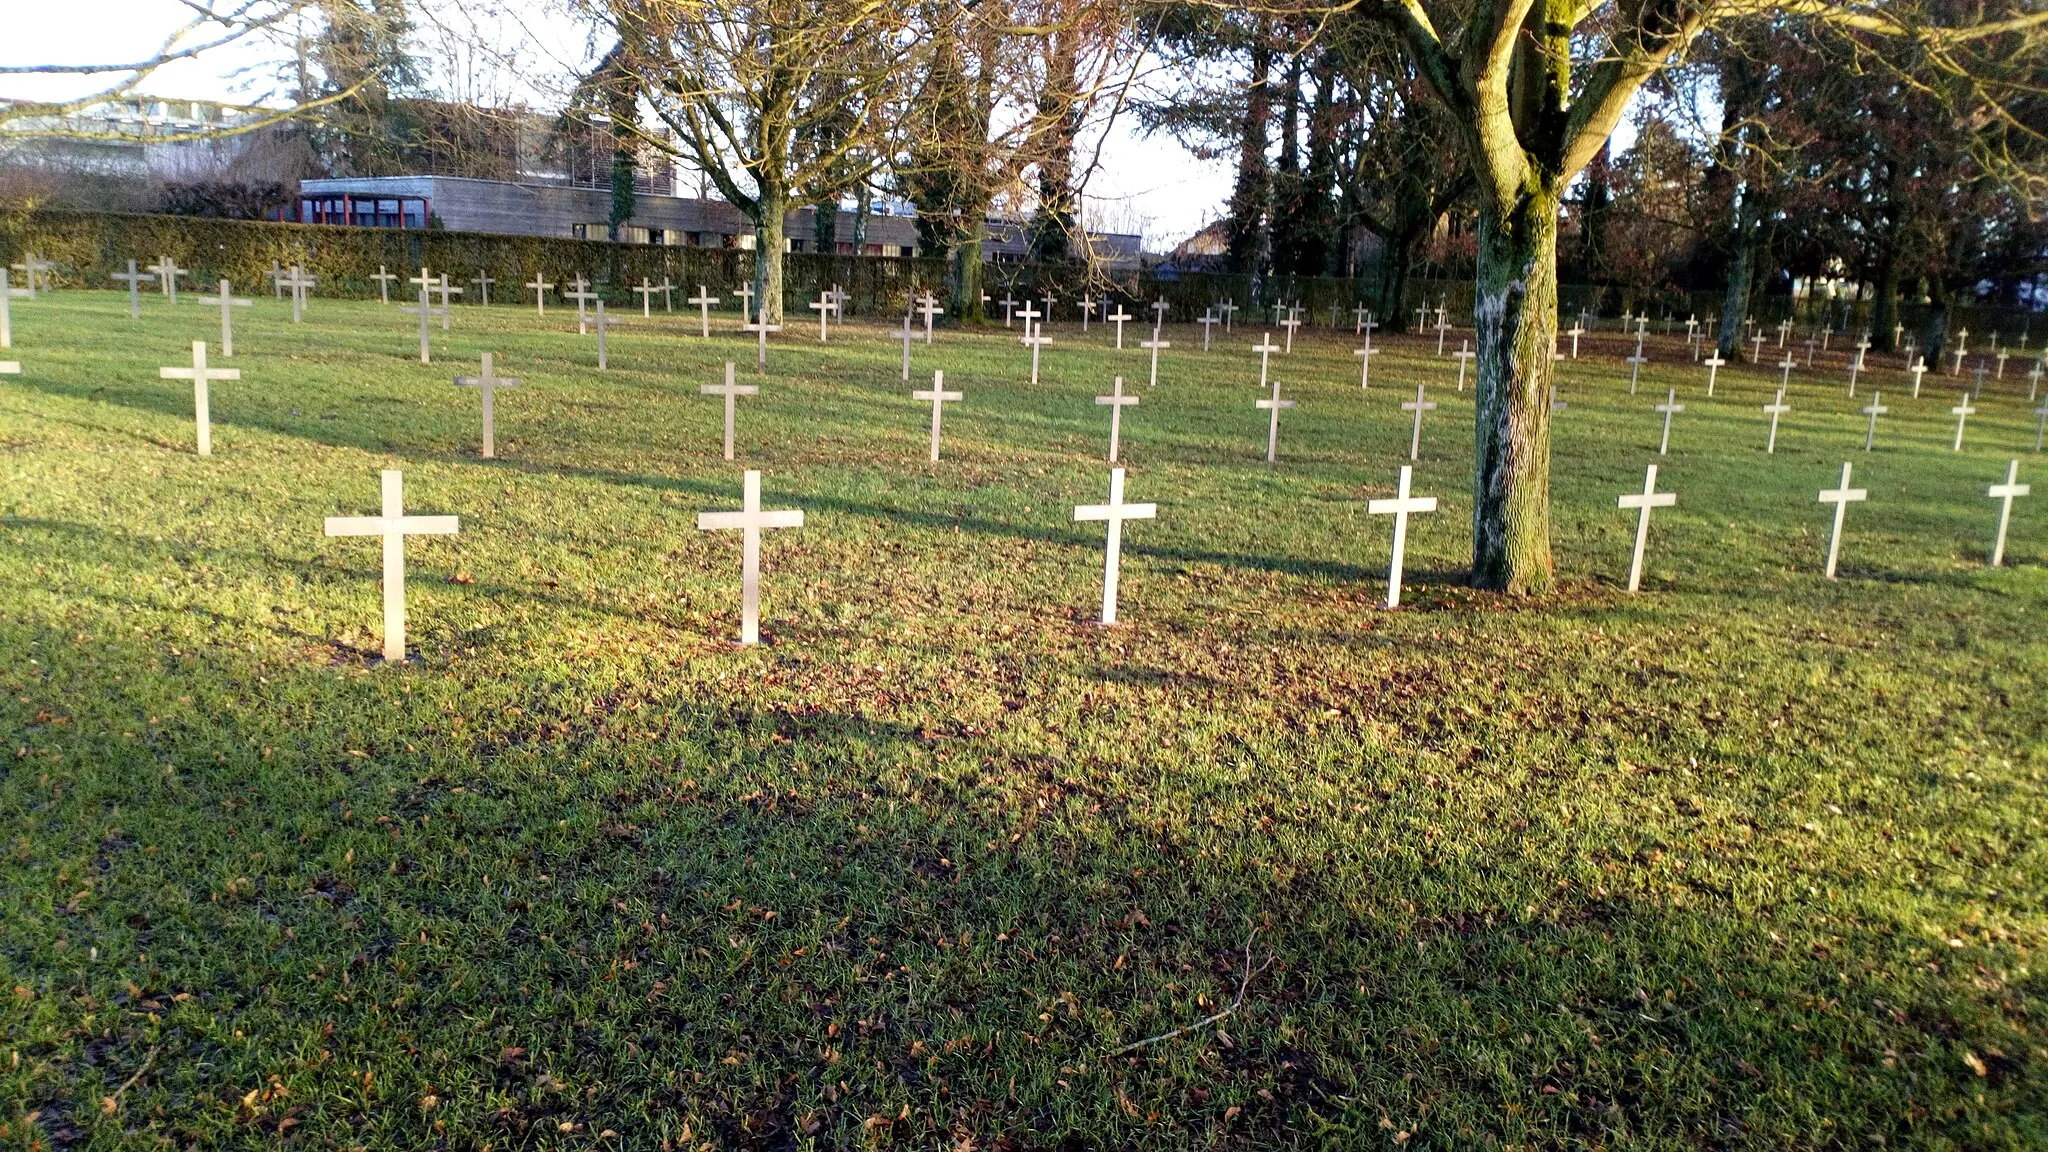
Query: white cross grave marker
x=1035 y=338
x=1116 y=401
x=384 y=279
x=1275 y=404
x=425 y=311
x=1874 y=409
x=1576 y=332
x=1400 y=507
x=938 y=395
x=1713 y=364
x=36 y=271
x=1756 y=348
x=2005 y=494
x=603 y=323
x=1785 y=383
x=904 y=334
x=1417 y=406
x=745 y=292
x=1919 y=369
x=1229 y=310
x=1463 y=354
x=1009 y=306
x=488 y=384
x=1291 y=323
x=444 y=288
x=1841 y=498
x=668 y=294
x=1365 y=356
x=7 y=310
x=731 y=392
x=929 y=308
x=483 y=281
x=703 y=300
x=1644 y=501
x=200 y=375
x=1670 y=407
x=1087 y=306
x=1153 y=346
x=823 y=307
x=1962 y=412
x=541 y=288
x=583 y=296
x=1208 y=322
x=167 y=273
x=646 y=290
x=297 y=282
x=1115 y=513
x=1776 y=408
x=761 y=328
x=134 y=280
x=750 y=520
x=227 y=302
x=1119 y=319
x=394 y=526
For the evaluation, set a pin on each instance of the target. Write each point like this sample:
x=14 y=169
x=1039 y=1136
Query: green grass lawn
x=1751 y=860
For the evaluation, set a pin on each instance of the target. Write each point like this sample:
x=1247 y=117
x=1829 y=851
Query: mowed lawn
x=1749 y=860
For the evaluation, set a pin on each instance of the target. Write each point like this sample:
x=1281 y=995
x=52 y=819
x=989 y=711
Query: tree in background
x=770 y=98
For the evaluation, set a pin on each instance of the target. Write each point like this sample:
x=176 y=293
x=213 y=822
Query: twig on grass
x=1236 y=1003
x=112 y=1103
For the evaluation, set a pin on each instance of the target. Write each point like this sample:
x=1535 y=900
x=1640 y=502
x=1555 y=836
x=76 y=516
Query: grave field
x=1748 y=860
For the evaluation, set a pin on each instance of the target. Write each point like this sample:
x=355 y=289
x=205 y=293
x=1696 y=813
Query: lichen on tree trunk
x=768 y=245
x=1515 y=310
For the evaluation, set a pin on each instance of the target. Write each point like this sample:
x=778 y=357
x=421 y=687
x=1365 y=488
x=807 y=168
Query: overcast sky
x=1153 y=183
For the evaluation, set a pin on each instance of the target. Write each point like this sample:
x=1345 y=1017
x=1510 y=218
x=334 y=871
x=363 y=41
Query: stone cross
x=929 y=308
x=1874 y=409
x=1116 y=401
x=732 y=392
x=1463 y=355
x=1417 y=406
x=761 y=328
x=905 y=334
x=1841 y=498
x=1208 y=321
x=2005 y=493
x=1400 y=507
x=384 y=279
x=483 y=281
x=1265 y=348
x=1962 y=412
x=1274 y=405
x=1713 y=364
x=583 y=296
x=134 y=280
x=541 y=288
x=1153 y=346
x=1365 y=356
x=646 y=291
x=750 y=520
x=36 y=271
x=297 y=282
x=1576 y=332
x=1229 y=310
x=1635 y=366
x=1647 y=499
x=703 y=300
x=603 y=322
x=823 y=307
x=488 y=384
x=1670 y=407
x=200 y=375
x=1115 y=513
x=1036 y=339
x=227 y=302
x=1291 y=323
x=425 y=311
x=1756 y=347
x=1120 y=318
x=1919 y=369
x=1776 y=408
x=167 y=273
x=1009 y=306
x=938 y=395
x=394 y=526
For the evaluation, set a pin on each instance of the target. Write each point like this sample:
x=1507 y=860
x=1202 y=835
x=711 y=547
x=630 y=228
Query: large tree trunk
x=1246 y=230
x=1885 y=316
x=1515 y=310
x=967 y=278
x=1735 y=301
x=1400 y=258
x=773 y=204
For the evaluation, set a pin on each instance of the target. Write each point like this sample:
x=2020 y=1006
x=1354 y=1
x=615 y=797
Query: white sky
x=1152 y=183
